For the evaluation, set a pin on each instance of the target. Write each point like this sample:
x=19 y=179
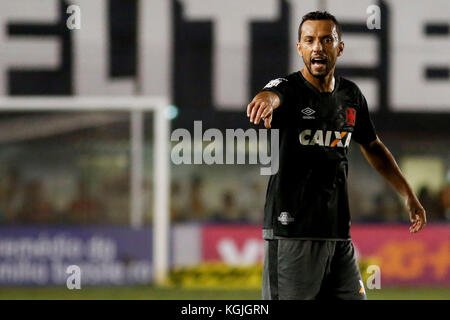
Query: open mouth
x=318 y=61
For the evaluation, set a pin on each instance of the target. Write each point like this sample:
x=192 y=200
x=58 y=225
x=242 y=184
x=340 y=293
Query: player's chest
x=325 y=112
x=322 y=121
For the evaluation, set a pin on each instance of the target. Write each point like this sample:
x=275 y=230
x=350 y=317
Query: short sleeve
x=364 y=129
x=279 y=86
x=282 y=88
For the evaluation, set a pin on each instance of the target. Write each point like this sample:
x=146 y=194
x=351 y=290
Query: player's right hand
x=262 y=106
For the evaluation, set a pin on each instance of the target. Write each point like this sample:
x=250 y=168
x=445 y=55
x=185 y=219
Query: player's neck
x=325 y=84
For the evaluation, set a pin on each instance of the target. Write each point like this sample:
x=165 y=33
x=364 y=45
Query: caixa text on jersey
x=325 y=138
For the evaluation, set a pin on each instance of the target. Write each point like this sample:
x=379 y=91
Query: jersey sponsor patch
x=274 y=83
x=325 y=138
x=285 y=218
x=350 y=116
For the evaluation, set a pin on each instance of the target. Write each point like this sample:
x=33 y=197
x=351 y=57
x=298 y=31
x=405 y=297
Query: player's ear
x=340 y=48
x=299 y=49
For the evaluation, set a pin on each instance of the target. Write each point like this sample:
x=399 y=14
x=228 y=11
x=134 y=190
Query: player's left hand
x=417 y=214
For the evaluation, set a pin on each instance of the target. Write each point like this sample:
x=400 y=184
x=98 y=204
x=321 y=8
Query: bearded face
x=319 y=46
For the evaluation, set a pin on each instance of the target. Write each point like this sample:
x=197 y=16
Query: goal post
x=161 y=166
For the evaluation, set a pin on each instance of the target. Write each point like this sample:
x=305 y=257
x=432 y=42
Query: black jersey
x=307 y=198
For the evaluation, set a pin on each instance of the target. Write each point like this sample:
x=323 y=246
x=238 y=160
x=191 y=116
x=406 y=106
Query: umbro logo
x=308 y=113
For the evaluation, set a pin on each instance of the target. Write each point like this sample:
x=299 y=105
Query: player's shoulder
x=293 y=78
x=352 y=92
x=286 y=80
x=346 y=84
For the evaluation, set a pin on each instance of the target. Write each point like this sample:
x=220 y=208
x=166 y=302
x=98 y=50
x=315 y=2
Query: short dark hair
x=320 y=15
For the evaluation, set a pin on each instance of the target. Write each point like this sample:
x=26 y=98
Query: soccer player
x=308 y=253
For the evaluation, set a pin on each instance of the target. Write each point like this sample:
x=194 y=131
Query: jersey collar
x=310 y=86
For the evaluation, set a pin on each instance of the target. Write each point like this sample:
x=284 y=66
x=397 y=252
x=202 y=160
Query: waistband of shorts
x=267 y=234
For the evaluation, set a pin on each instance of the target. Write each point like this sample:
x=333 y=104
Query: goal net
x=52 y=138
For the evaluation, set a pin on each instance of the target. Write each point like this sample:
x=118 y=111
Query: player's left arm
x=378 y=155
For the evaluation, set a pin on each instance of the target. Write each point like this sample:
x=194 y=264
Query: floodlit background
x=65 y=177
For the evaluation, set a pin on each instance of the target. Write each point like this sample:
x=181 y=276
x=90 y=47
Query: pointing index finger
x=259 y=113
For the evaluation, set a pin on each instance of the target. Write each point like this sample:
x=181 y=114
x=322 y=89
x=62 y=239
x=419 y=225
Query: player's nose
x=317 y=47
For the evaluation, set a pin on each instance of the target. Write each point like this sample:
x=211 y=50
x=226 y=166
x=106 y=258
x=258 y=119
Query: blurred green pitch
x=155 y=293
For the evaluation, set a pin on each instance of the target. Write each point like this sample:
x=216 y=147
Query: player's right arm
x=262 y=106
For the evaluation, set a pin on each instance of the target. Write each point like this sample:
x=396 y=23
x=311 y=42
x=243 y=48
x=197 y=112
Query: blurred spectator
x=229 y=211
x=444 y=197
x=197 y=209
x=116 y=198
x=85 y=208
x=388 y=207
x=430 y=204
x=11 y=195
x=177 y=203
x=36 y=208
x=255 y=204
